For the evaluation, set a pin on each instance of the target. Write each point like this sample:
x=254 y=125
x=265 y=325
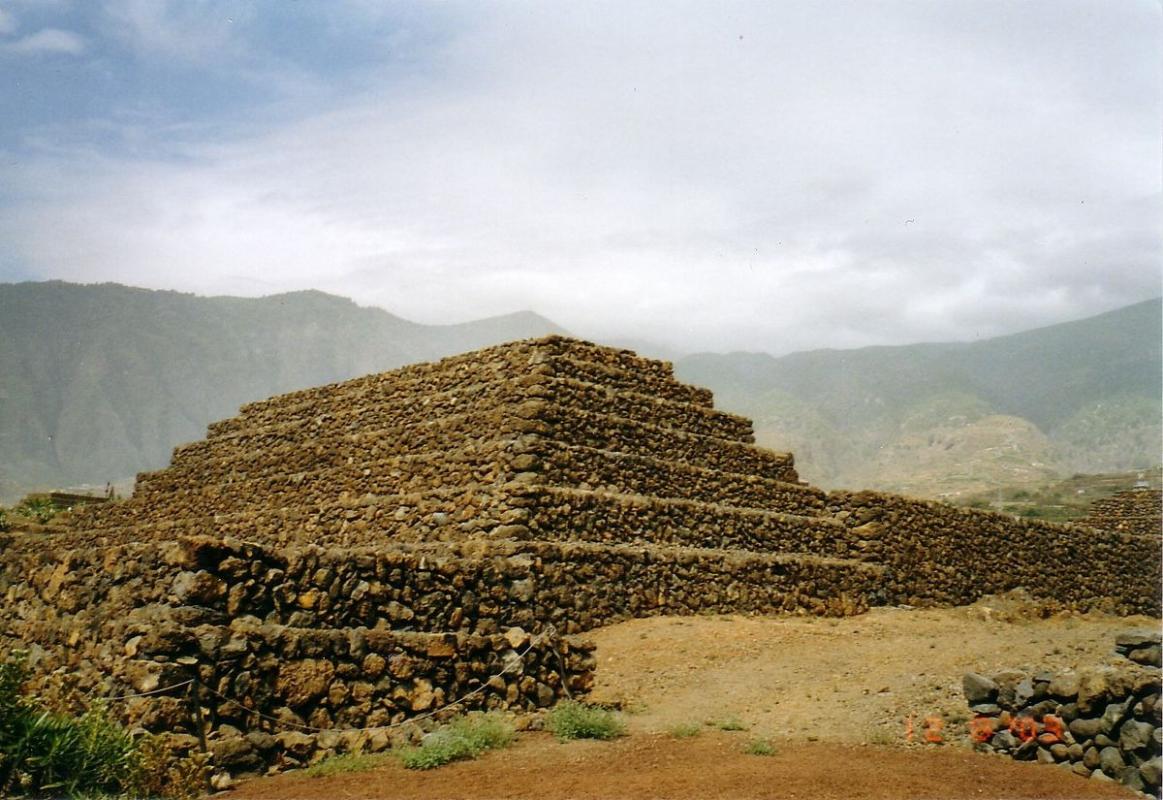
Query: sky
x=769 y=176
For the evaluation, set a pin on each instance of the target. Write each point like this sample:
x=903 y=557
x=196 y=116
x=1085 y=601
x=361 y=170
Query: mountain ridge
x=100 y=381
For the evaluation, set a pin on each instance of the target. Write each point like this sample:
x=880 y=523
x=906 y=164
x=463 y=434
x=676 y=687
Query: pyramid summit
x=355 y=555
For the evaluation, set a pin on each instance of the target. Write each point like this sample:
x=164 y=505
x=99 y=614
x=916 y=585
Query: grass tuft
x=760 y=747
x=573 y=720
x=732 y=724
x=465 y=738
x=685 y=730
x=339 y=765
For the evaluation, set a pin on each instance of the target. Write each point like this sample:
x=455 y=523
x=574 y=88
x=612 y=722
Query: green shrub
x=685 y=730
x=467 y=737
x=46 y=753
x=42 y=752
x=732 y=724
x=574 y=720
x=348 y=762
x=760 y=747
x=39 y=508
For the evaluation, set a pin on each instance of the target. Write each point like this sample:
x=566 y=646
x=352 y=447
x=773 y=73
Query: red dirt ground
x=710 y=765
x=832 y=695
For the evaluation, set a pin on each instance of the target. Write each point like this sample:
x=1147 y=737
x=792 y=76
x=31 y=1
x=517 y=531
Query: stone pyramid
x=354 y=555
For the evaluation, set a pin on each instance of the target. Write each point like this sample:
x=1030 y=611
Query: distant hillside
x=955 y=418
x=100 y=382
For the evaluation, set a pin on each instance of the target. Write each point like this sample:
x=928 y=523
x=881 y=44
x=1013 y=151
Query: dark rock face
x=1100 y=722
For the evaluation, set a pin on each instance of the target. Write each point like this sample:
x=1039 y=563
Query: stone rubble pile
x=547 y=486
x=1103 y=723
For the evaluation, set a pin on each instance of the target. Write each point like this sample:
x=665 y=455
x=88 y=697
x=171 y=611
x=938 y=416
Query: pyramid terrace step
x=561 y=358
x=403 y=407
x=393 y=475
x=625 y=473
x=561 y=514
x=438 y=515
x=184 y=495
x=618 y=434
x=272 y=453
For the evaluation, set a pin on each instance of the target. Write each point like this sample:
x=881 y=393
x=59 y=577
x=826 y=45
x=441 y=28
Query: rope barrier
x=152 y=692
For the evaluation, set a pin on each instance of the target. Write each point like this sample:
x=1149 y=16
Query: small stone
x=1138 y=638
x=1004 y=740
x=373 y=665
x=522 y=590
x=1151 y=771
x=1044 y=756
x=1023 y=693
x=516 y=637
x=1060 y=751
x=986 y=709
x=1148 y=656
x=1080 y=769
x=1007 y=682
x=198 y=588
x=1064 y=686
x=1093 y=689
x=1111 y=761
x=1135 y=735
x=1111 y=717
x=296 y=743
x=1131 y=778
x=421 y=697
x=979 y=689
x=1085 y=728
x=441 y=648
x=1091 y=758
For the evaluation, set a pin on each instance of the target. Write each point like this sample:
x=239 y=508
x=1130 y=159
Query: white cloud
x=48 y=41
x=765 y=177
x=198 y=31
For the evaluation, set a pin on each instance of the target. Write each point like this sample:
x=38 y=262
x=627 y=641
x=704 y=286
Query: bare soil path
x=832 y=695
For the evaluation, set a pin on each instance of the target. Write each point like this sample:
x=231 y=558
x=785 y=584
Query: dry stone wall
x=1102 y=723
x=936 y=553
x=1138 y=511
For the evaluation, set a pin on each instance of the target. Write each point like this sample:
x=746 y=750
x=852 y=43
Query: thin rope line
x=153 y=692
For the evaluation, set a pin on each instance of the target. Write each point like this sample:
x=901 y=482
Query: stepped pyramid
x=548 y=440
x=552 y=442
x=356 y=555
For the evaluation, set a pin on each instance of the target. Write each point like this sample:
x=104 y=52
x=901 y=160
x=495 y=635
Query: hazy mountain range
x=100 y=382
x=942 y=419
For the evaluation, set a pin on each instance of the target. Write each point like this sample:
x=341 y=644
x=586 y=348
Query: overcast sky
x=764 y=176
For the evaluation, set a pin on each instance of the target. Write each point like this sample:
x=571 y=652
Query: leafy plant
x=574 y=720
x=465 y=738
x=685 y=730
x=46 y=753
x=760 y=747
x=339 y=765
x=159 y=772
x=39 y=508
